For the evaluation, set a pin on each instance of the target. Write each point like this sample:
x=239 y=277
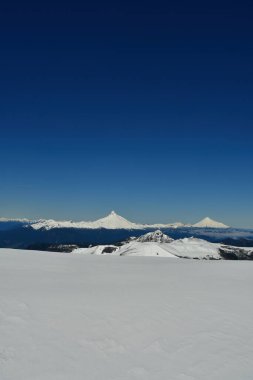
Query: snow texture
x=72 y=316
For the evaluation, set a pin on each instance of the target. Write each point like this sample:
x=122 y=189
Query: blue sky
x=145 y=108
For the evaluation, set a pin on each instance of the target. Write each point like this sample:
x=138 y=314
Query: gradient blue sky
x=141 y=107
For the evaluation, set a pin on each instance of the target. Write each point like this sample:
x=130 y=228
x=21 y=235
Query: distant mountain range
x=112 y=221
x=112 y=229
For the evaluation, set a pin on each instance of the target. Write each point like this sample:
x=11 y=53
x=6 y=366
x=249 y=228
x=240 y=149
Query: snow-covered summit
x=156 y=236
x=209 y=223
x=111 y=221
x=115 y=221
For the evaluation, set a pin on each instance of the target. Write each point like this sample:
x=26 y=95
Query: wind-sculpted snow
x=72 y=316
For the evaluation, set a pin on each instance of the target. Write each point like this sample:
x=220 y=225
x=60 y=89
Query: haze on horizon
x=145 y=108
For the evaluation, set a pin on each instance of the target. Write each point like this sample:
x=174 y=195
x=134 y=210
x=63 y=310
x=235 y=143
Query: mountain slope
x=158 y=244
x=209 y=223
x=156 y=236
x=111 y=221
x=136 y=248
x=115 y=221
x=192 y=248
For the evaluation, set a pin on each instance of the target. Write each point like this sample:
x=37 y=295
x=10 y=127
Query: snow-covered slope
x=69 y=316
x=184 y=248
x=136 y=248
x=209 y=223
x=115 y=221
x=111 y=221
x=156 y=236
x=193 y=248
x=97 y=250
x=163 y=246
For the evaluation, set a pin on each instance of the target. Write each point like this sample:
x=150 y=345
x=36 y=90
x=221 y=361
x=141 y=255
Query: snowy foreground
x=73 y=316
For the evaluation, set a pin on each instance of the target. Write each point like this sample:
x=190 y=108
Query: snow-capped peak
x=114 y=221
x=209 y=223
x=156 y=236
x=111 y=221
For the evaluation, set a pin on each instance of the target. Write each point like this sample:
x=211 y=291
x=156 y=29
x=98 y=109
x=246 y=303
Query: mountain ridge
x=111 y=221
x=209 y=223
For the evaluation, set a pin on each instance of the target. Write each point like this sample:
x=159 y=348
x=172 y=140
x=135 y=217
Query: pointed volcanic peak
x=111 y=222
x=209 y=223
x=156 y=236
x=114 y=221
